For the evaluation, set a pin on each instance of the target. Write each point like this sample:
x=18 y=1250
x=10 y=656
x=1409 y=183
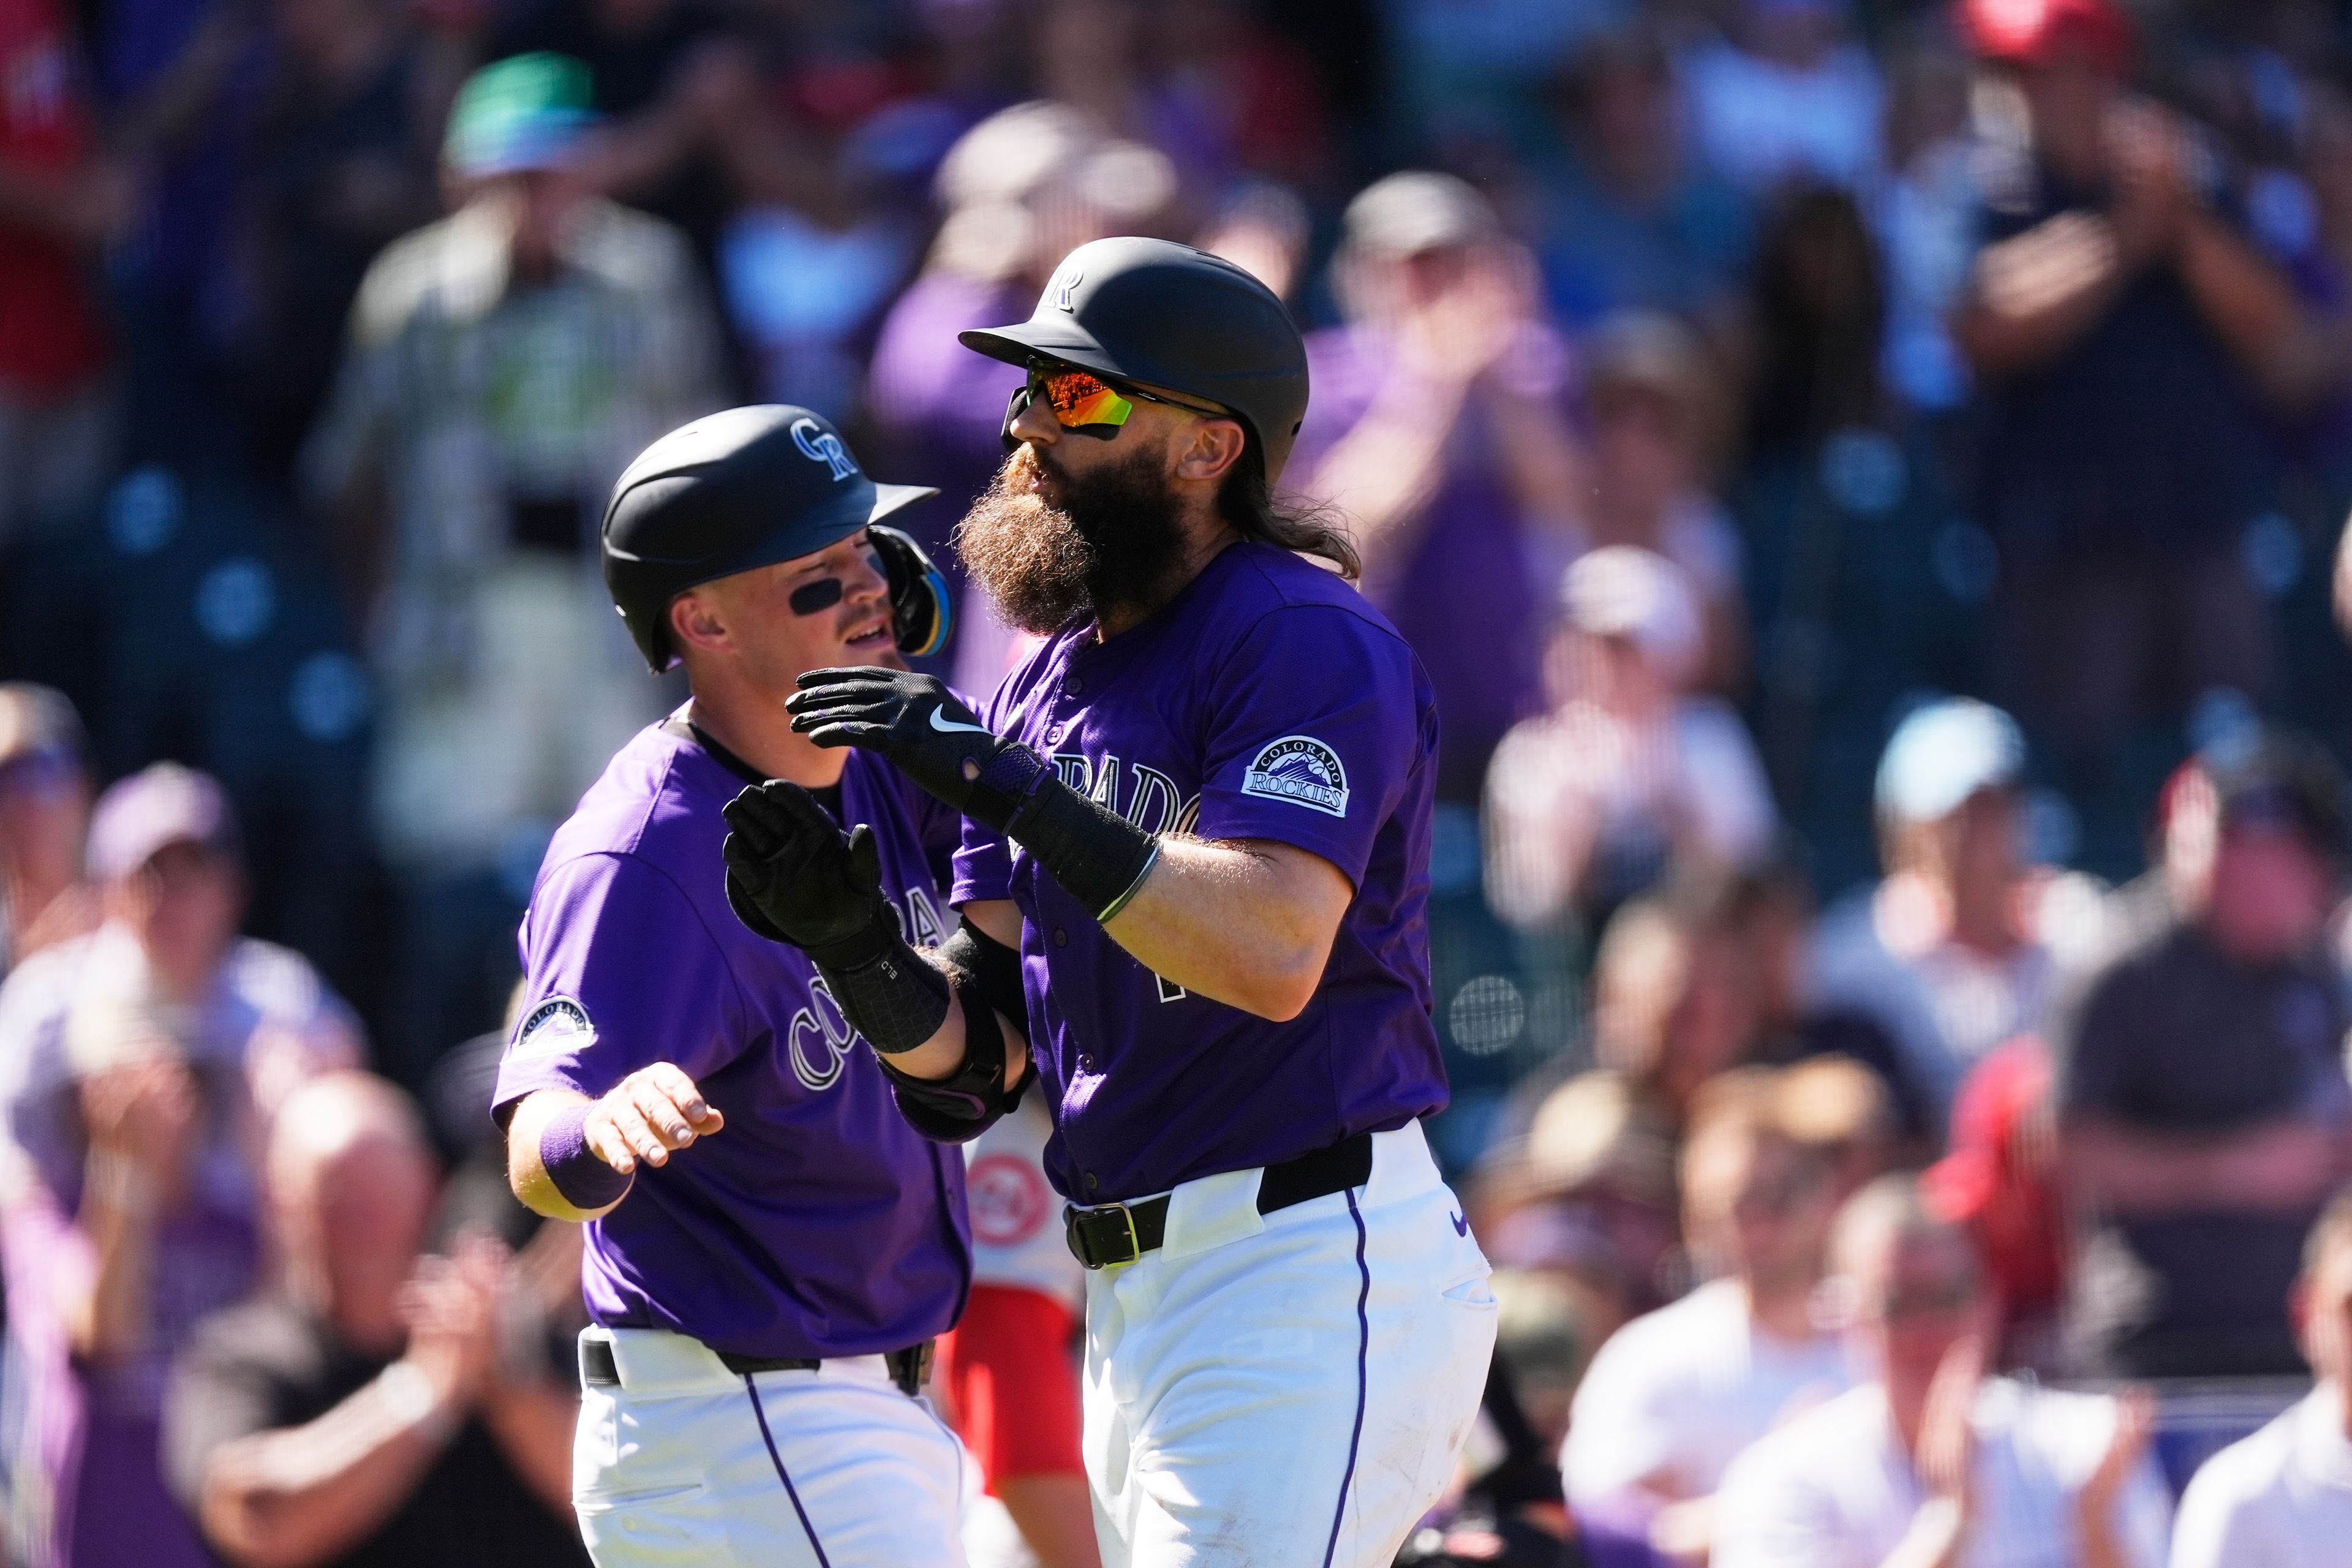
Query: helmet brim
x=889 y=498
x=1064 y=340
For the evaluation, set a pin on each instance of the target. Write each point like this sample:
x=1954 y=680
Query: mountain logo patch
x=1302 y=770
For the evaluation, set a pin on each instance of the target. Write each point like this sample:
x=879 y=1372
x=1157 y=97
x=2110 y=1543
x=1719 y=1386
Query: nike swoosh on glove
x=924 y=731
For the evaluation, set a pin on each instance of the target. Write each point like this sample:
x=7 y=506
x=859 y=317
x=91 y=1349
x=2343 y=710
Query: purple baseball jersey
x=816 y=1222
x=1267 y=700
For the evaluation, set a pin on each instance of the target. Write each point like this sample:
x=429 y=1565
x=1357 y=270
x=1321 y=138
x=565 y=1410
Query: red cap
x=2033 y=32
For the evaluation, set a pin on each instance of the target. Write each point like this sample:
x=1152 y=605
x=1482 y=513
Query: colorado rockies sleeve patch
x=555 y=1028
x=1302 y=770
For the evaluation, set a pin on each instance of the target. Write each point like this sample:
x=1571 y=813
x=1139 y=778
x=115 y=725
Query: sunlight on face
x=776 y=643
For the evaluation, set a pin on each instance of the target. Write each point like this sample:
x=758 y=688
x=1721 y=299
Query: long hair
x=1307 y=528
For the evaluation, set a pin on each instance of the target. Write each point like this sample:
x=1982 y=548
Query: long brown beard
x=1115 y=542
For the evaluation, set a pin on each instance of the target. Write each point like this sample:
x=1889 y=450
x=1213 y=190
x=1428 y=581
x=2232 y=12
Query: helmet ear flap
x=922 y=608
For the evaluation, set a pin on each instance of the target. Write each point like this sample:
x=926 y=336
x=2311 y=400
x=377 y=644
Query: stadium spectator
x=378 y=1408
x=1007 y=1370
x=1786 y=97
x=1630 y=777
x=1437 y=427
x=1626 y=219
x=60 y=202
x=2204 y=1111
x=1672 y=1398
x=1837 y=1108
x=1773 y=907
x=2123 y=334
x=1656 y=405
x=1585 y=1201
x=139 y=1065
x=2283 y=1498
x=498 y=361
x=1941 y=954
x=502 y=363
x=43 y=814
x=1673 y=1001
x=1930 y=1462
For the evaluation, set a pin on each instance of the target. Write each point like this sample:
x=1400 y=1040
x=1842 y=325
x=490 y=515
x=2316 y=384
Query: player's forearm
x=526 y=1167
x=1250 y=925
x=307 y=1494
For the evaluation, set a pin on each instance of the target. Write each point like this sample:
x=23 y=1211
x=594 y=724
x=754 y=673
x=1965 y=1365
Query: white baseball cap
x=1624 y=591
x=1943 y=754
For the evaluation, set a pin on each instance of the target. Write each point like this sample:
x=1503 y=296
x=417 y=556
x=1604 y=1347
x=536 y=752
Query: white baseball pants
x=1289 y=1388
x=687 y=1463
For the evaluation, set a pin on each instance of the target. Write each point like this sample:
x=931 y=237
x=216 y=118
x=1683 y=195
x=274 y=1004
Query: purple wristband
x=583 y=1179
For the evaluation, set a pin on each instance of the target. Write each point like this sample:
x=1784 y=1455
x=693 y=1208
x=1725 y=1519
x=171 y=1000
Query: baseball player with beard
x=770 y=1248
x=1197 y=823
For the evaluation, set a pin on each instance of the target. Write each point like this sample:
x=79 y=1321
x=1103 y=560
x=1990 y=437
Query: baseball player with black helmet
x=770 y=1246
x=1199 y=819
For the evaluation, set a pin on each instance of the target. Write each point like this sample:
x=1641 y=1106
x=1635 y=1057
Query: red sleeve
x=1013 y=1387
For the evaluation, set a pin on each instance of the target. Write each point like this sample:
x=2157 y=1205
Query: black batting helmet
x=745 y=489
x=1167 y=315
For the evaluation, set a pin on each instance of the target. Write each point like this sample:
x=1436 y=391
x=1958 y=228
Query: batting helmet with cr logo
x=746 y=489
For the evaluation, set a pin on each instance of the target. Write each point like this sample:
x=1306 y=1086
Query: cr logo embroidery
x=820 y=446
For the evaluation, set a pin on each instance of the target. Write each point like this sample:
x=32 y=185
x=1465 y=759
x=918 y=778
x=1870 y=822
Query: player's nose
x=1036 y=423
x=865 y=583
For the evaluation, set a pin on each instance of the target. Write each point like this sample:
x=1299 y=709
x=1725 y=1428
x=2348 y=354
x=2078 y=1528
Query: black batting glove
x=917 y=725
x=924 y=731
x=794 y=877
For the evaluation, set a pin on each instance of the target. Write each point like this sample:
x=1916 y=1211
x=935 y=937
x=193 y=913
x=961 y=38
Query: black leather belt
x=1106 y=1234
x=909 y=1368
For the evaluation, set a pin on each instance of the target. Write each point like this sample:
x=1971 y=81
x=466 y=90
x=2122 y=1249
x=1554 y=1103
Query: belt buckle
x=1081 y=1242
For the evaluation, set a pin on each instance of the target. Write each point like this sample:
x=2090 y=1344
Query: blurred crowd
x=1864 y=478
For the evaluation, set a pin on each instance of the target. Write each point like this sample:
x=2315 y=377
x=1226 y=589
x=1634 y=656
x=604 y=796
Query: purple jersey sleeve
x=618 y=973
x=1311 y=735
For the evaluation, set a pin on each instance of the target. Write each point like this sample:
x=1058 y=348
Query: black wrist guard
x=986 y=968
x=1096 y=855
x=895 y=999
x=960 y=1107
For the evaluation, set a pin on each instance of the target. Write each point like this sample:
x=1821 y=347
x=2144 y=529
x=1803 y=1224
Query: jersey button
x=1091 y=1183
x=1054 y=736
x=1061 y=937
x=1086 y=1063
x=1072 y=686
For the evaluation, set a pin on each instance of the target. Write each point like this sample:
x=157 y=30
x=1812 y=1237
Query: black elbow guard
x=960 y=1107
x=985 y=965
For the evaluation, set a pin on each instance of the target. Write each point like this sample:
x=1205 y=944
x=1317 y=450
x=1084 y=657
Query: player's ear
x=1214 y=447
x=694 y=621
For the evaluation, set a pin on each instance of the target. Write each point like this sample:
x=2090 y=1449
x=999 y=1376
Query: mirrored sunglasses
x=1082 y=401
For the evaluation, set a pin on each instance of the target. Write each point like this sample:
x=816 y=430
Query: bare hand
x=648 y=1113
x=145 y=1112
x=1459 y=335
x=451 y=1308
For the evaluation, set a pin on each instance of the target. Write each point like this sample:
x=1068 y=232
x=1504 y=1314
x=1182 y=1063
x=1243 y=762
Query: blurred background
x=1865 y=478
